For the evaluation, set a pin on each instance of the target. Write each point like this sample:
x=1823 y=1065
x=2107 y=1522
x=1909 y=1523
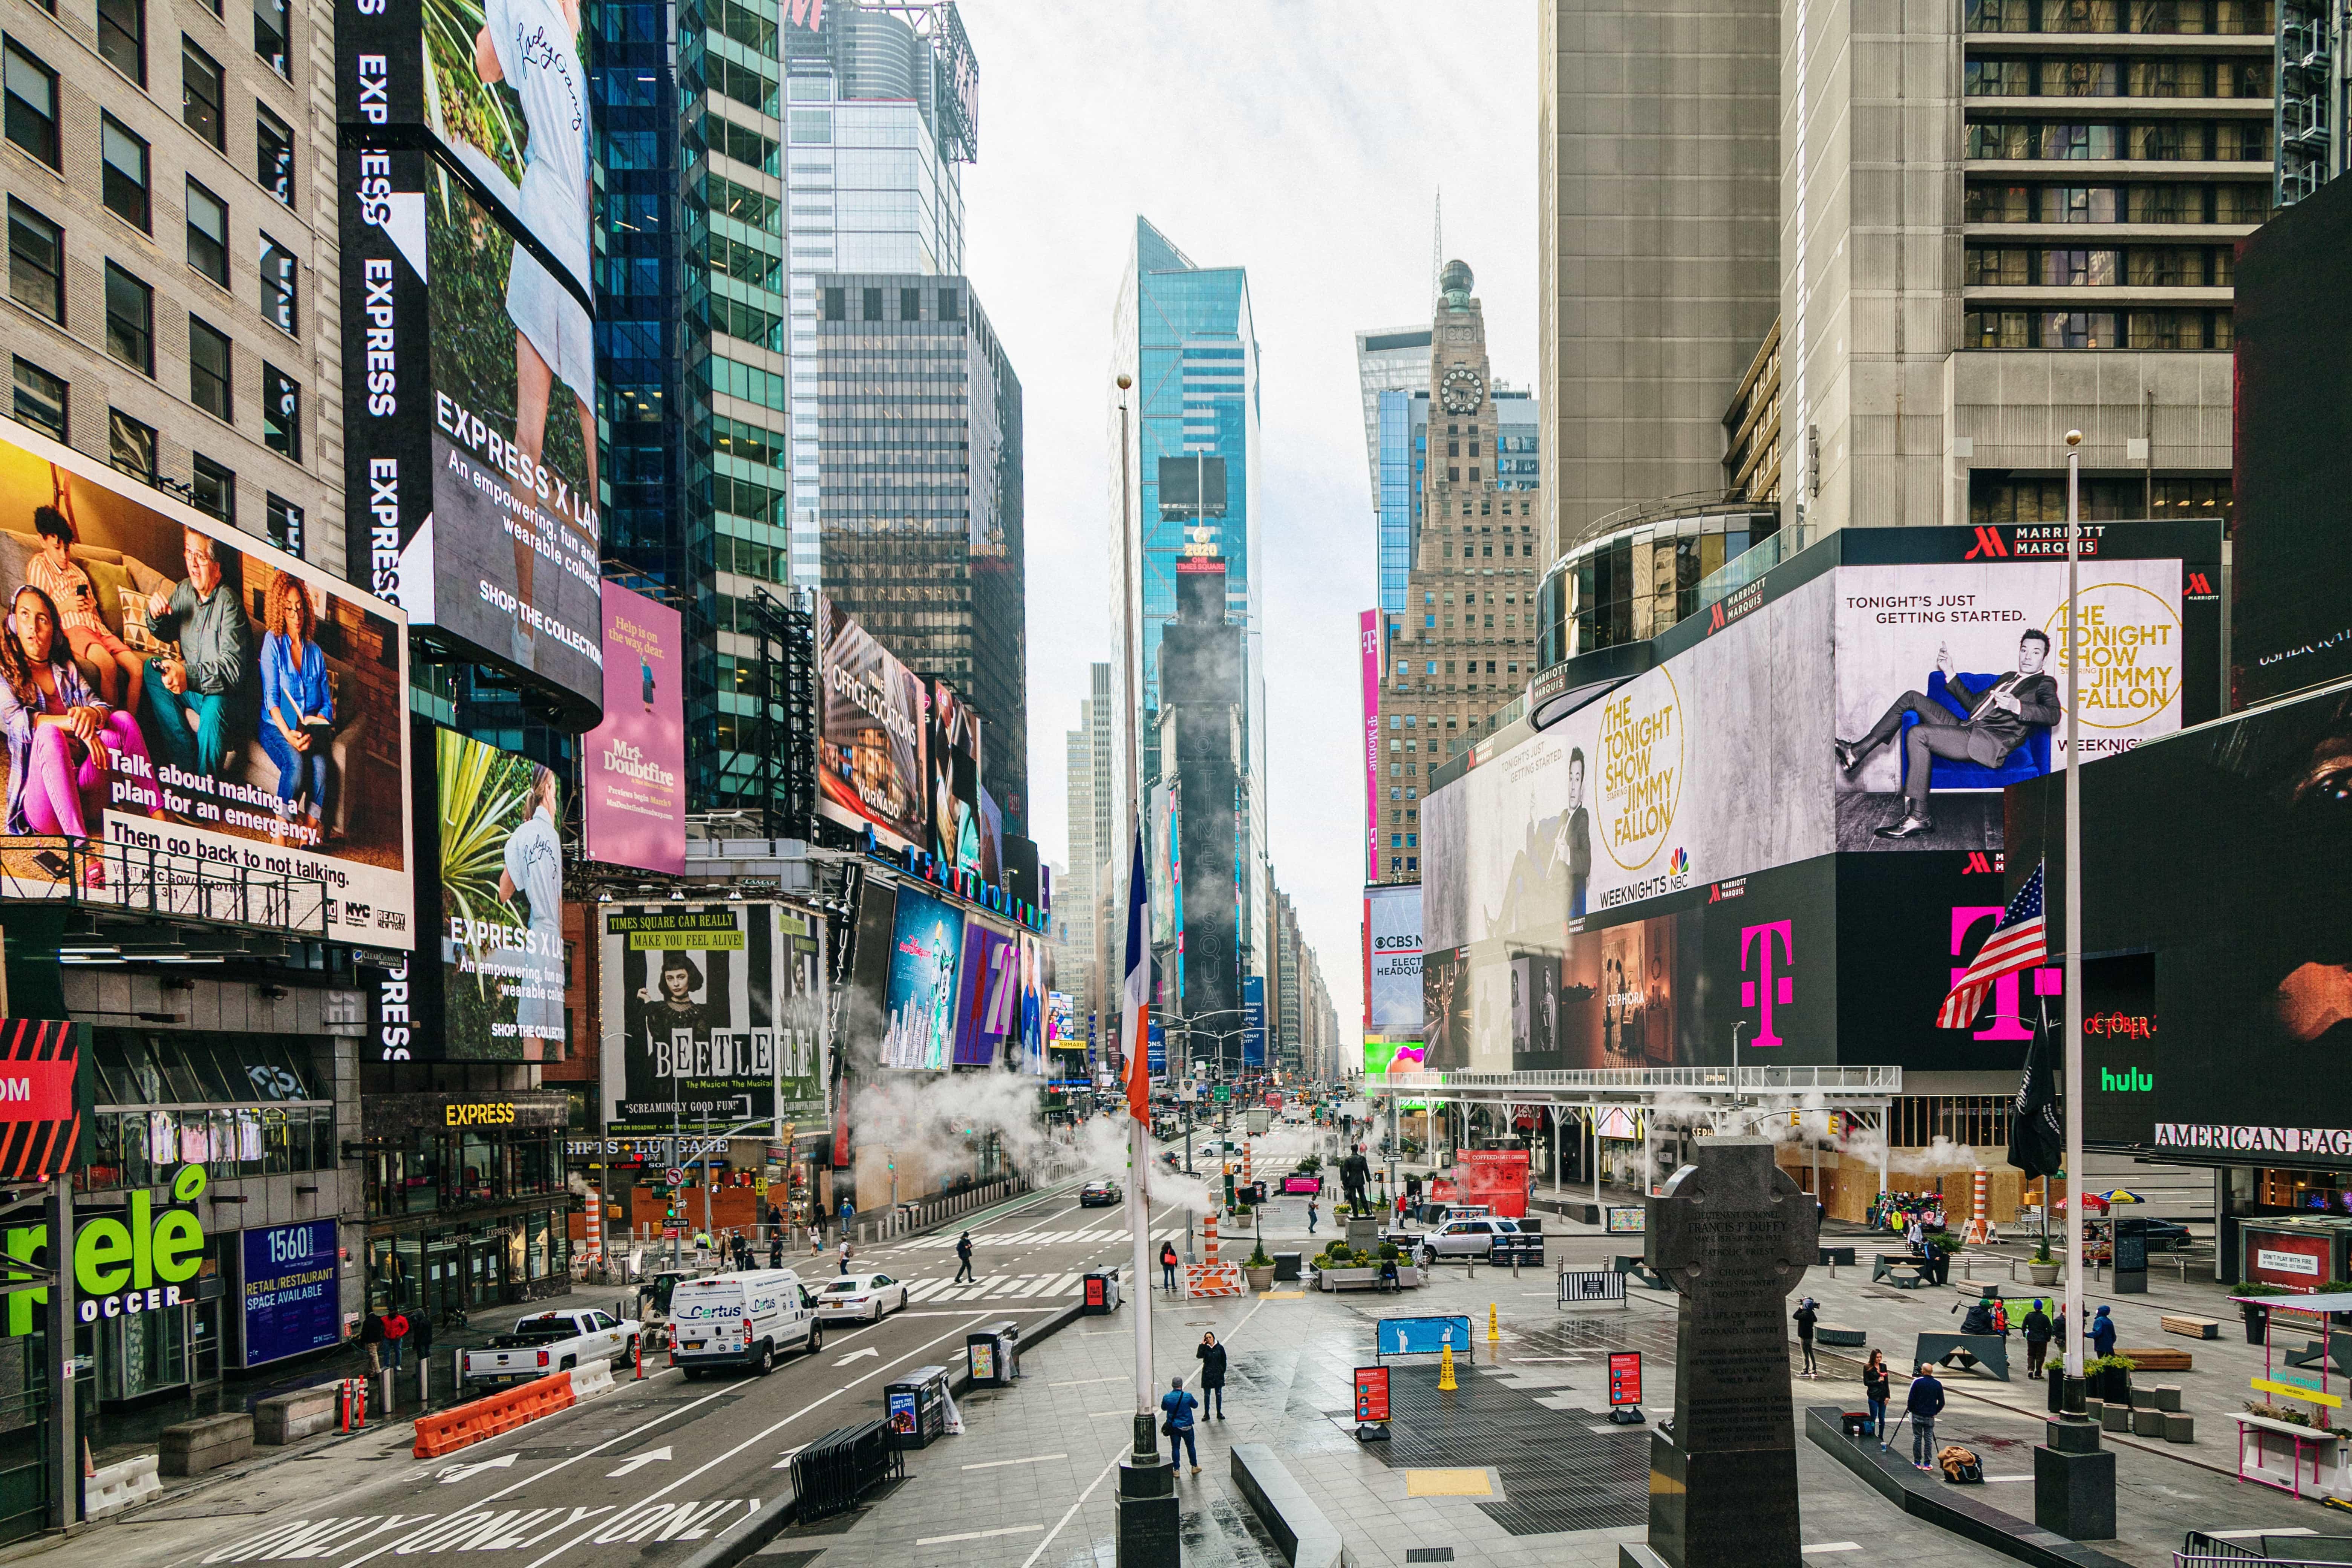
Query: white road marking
x=1083 y=1381
x=859 y=1355
x=977 y=1534
x=999 y=1464
x=459 y=1472
x=638 y=1462
x=1836 y=1546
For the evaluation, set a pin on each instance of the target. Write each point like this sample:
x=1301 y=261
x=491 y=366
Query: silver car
x=1476 y=1238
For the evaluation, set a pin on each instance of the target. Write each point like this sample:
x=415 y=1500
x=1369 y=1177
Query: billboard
x=1368 y=637
x=1393 y=962
x=293 y=1293
x=2290 y=627
x=633 y=767
x=919 y=1000
x=988 y=994
x=708 y=1009
x=237 y=706
x=954 y=761
x=1253 y=1021
x=1383 y=1057
x=1037 y=1012
x=1162 y=813
x=871 y=718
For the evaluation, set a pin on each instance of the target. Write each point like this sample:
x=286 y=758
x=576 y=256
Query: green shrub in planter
x=1258 y=1259
x=1389 y=1253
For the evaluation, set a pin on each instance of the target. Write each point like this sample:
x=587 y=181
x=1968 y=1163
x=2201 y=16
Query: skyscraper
x=1391 y=366
x=1094 y=841
x=1201 y=859
x=1185 y=335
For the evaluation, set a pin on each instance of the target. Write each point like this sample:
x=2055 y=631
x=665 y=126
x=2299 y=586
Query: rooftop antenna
x=1437 y=244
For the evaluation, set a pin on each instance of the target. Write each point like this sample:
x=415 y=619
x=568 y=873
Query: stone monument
x=1734 y=1235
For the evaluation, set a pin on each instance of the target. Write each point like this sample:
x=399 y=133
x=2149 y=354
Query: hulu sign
x=135 y=1263
x=2128 y=1080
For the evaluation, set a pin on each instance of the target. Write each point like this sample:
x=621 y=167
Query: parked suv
x=1497 y=1240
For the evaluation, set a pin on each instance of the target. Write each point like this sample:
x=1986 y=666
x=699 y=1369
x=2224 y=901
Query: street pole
x=2075 y=1324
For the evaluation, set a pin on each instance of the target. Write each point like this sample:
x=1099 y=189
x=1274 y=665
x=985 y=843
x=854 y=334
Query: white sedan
x=861 y=1296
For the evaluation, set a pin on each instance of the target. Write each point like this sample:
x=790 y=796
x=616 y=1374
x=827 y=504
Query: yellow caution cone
x=1445 y=1384
x=1494 y=1327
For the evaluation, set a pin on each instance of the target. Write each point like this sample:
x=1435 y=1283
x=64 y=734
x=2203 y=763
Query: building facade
x=1391 y=366
x=1200 y=859
x=1094 y=843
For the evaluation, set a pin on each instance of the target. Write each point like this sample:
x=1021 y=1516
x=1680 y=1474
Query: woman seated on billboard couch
x=61 y=738
x=297 y=709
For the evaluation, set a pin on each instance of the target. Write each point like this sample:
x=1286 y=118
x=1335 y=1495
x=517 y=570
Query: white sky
x=1305 y=141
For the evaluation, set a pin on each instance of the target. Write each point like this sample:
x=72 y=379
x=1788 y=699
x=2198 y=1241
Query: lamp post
x=2074 y=784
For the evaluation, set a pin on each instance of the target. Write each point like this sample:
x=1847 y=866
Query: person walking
x=420 y=1335
x=1176 y=1409
x=1923 y=1405
x=2102 y=1332
x=372 y=1340
x=776 y=1247
x=2037 y=1338
x=395 y=1328
x=964 y=1260
x=1168 y=1265
x=848 y=1251
x=1808 y=1313
x=1875 y=1379
x=1312 y=1213
x=1212 y=1377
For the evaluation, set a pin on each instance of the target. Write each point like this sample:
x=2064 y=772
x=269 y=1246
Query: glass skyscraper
x=1185 y=335
x=1391 y=366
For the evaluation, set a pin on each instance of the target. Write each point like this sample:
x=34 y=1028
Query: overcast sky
x=1305 y=142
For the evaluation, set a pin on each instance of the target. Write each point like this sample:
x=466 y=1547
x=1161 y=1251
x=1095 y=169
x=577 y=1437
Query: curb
x=779 y=1511
x=1947 y=1507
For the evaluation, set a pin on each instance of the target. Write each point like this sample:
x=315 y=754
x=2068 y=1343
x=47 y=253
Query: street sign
x=1225 y=1093
x=674 y=1177
x=1372 y=1393
x=1624 y=1377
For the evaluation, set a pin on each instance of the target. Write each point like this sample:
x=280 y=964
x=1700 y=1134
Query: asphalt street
x=659 y=1469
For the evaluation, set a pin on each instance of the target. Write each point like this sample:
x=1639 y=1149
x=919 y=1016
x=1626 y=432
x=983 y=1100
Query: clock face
x=1461 y=392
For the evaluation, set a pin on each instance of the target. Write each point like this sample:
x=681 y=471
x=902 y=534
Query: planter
x=2043 y=1274
x=1260 y=1279
x=2115 y=1386
x=2258 y=1321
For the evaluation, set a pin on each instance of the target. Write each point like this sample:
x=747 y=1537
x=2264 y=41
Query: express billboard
x=1392 y=960
x=926 y=953
x=632 y=766
x=871 y=740
x=220 y=700
x=708 y=1009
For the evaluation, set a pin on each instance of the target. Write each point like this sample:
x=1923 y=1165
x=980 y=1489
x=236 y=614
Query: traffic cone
x=1445 y=1384
x=1494 y=1327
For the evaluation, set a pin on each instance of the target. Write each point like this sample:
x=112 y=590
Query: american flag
x=2020 y=941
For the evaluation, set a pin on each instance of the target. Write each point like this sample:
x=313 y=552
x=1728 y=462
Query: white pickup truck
x=549 y=1342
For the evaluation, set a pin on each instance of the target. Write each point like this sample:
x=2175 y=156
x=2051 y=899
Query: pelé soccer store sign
x=136 y=1261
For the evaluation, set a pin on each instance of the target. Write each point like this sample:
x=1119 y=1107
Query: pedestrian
x=1875 y=1379
x=1914 y=1236
x=1176 y=1409
x=1168 y=1265
x=420 y=1335
x=1979 y=1318
x=2037 y=1338
x=848 y=1251
x=372 y=1340
x=2102 y=1332
x=848 y=1213
x=395 y=1328
x=1212 y=1377
x=1808 y=1313
x=776 y=1248
x=963 y=1259
x=1923 y=1405
x=1311 y=1214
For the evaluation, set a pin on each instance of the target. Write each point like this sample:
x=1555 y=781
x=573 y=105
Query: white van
x=741 y=1320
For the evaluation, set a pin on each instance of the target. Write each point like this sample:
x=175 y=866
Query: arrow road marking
x=459 y=1472
x=855 y=1355
x=639 y=1461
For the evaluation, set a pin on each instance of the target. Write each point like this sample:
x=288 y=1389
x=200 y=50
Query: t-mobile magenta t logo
x=1769 y=989
x=2007 y=1023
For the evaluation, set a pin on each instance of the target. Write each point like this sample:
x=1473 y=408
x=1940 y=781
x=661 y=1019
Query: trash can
x=992 y=1353
x=1287 y=1265
x=1101 y=1288
x=918 y=1406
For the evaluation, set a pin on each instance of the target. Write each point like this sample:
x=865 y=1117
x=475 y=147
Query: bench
x=2191 y=1328
x=193 y=1447
x=1989 y=1351
x=2157 y=1358
x=2339 y=1354
x=285 y=1419
x=1839 y=1336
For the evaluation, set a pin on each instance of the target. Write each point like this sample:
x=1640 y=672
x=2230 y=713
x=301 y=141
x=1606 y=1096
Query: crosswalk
x=1002 y=1238
x=1005 y=1286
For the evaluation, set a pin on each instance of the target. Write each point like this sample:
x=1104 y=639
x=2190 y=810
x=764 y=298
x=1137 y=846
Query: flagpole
x=1137 y=1018
x=2074 y=1321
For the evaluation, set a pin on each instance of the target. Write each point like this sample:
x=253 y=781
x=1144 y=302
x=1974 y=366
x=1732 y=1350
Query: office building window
x=872 y=303
x=204 y=96
x=837 y=304
x=207 y=234
x=281 y=413
x=32 y=108
x=40 y=399
x=910 y=304
x=123 y=177
x=285 y=525
x=208 y=369
x=37 y=261
x=122 y=37
x=269 y=32
x=273 y=155
x=129 y=322
x=214 y=489
x=131 y=445
x=280 y=278
x=947 y=304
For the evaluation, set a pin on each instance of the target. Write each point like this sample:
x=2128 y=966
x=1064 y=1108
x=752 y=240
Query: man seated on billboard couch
x=189 y=699
x=2000 y=719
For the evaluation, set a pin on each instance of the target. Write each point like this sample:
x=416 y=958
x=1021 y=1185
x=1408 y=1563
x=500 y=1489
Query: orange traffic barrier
x=462 y=1425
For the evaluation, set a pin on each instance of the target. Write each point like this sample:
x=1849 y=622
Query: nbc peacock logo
x=1679 y=863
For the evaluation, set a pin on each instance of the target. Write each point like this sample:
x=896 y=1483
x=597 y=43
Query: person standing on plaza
x=1312 y=1212
x=2102 y=1332
x=395 y=1328
x=2037 y=1338
x=1923 y=1405
x=1806 y=1315
x=1168 y=1265
x=1212 y=1377
x=963 y=1259
x=1875 y=1379
x=1176 y=1409
x=372 y=1340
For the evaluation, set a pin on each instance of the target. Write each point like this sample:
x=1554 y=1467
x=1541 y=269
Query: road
x=660 y=1469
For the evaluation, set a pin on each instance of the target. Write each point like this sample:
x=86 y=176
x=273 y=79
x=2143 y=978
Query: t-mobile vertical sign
x=1766 y=958
x=1367 y=633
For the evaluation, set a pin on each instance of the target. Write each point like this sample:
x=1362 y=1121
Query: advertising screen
x=1384 y=1056
x=633 y=765
x=926 y=953
x=1162 y=816
x=1037 y=1006
x=954 y=760
x=865 y=1019
x=707 y=1006
x=987 y=995
x=498 y=854
x=293 y=1294
x=1252 y=1020
x=1368 y=638
x=243 y=708
x=871 y=718
x=1392 y=950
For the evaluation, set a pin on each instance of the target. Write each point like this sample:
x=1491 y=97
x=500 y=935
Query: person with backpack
x=2037 y=1338
x=1875 y=1379
x=1979 y=1318
x=1176 y=1409
x=1922 y=1405
x=1168 y=1265
x=1806 y=1315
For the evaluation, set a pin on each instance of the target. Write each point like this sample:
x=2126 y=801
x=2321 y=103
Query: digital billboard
x=988 y=994
x=1037 y=1013
x=1384 y=1056
x=1252 y=1020
x=1393 y=962
x=871 y=722
x=632 y=766
x=218 y=700
x=954 y=761
x=707 y=1007
x=919 y=1003
x=292 y=1301
x=1368 y=651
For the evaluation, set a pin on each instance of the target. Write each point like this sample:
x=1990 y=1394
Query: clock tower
x=1460 y=656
